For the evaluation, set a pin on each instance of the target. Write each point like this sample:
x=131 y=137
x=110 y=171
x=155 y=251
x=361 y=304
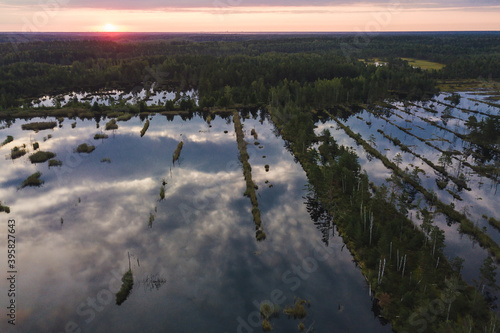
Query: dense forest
x=244 y=70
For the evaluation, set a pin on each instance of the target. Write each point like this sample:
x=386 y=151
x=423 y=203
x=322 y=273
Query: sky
x=247 y=15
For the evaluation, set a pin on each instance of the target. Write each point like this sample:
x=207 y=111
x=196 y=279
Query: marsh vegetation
x=5 y=209
x=85 y=148
x=145 y=128
x=177 y=152
x=430 y=160
x=39 y=126
x=7 y=141
x=33 y=181
x=41 y=157
x=126 y=288
x=55 y=163
x=17 y=152
x=111 y=125
x=100 y=136
x=247 y=173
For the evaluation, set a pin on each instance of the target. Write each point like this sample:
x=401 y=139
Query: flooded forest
x=248 y=183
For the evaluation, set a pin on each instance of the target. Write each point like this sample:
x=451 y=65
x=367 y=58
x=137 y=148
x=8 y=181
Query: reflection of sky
x=482 y=199
x=112 y=97
x=202 y=240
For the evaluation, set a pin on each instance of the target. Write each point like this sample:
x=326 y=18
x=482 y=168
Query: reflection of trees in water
x=322 y=220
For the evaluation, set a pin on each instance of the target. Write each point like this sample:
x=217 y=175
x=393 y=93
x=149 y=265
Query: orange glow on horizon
x=356 y=18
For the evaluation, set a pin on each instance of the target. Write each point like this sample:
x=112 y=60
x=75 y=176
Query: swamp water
x=196 y=264
x=483 y=196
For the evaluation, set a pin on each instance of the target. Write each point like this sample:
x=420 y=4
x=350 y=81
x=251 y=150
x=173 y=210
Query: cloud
x=227 y=4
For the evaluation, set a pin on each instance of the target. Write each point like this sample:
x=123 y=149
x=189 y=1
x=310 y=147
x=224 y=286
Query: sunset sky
x=247 y=15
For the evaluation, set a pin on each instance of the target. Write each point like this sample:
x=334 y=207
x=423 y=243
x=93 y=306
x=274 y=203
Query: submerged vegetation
x=298 y=310
x=126 y=288
x=33 y=180
x=41 y=157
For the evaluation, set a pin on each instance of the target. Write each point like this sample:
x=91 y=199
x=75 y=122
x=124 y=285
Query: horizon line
x=242 y=32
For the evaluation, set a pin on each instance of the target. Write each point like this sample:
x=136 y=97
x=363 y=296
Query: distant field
x=424 y=64
x=468 y=85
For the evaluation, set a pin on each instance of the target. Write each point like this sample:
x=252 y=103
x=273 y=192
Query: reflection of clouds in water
x=213 y=265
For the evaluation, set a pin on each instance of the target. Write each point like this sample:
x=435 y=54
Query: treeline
x=249 y=65
x=220 y=80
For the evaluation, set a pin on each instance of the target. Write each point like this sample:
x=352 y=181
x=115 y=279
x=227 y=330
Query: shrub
x=111 y=125
x=106 y=160
x=124 y=117
x=162 y=193
x=5 y=209
x=54 y=163
x=33 y=180
x=254 y=133
x=126 y=288
x=36 y=146
x=145 y=128
x=8 y=140
x=41 y=157
x=17 y=152
x=84 y=148
x=177 y=152
x=99 y=136
x=39 y=126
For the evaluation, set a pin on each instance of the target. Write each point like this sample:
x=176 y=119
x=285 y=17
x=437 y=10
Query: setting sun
x=109 y=28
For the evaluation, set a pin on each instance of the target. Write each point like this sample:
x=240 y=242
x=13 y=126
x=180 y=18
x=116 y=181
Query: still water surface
x=197 y=267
